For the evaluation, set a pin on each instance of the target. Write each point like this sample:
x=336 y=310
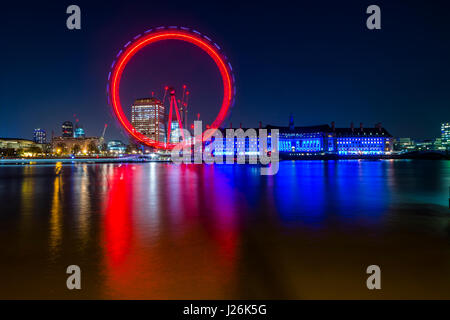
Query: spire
x=291 y=121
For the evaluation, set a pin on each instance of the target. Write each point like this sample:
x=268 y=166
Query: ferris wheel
x=160 y=34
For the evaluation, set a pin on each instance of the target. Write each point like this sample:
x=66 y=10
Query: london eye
x=160 y=34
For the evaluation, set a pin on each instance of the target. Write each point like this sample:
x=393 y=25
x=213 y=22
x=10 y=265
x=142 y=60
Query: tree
x=92 y=147
x=47 y=148
x=104 y=147
x=35 y=149
x=76 y=149
x=8 y=152
x=133 y=146
x=61 y=148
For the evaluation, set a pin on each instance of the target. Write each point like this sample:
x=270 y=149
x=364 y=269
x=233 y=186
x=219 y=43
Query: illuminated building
x=79 y=132
x=116 y=146
x=305 y=140
x=363 y=141
x=404 y=145
x=40 y=136
x=67 y=129
x=321 y=140
x=147 y=117
x=68 y=145
x=424 y=145
x=174 y=135
x=445 y=134
x=438 y=145
x=16 y=144
x=247 y=145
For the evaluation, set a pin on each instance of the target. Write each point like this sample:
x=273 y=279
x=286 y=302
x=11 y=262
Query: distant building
x=325 y=139
x=445 y=135
x=147 y=117
x=404 y=145
x=174 y=133
x=16 y=144
x=438 y=145
x=116 y=146
x=40 y=136
x=67 y=129
x=74 y=145
x=305 y=140
x=363 y=141
x=79 y=132
x=424 y=145
x=318 y=140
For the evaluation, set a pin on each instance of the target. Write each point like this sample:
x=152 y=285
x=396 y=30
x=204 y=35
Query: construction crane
x=102 y=138
x=184 y=104
x=185 y=107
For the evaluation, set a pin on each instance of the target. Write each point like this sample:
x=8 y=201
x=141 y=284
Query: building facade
x=445 y=135
x=296 y=141
x=147 y=117
x=174 y=132
x=325 y=139
x=116 y=146
x=17 y=144
x=62 y=145
x=402 y=145
x=67 y=129
x=315 y=140
x=363 y=141
x=40 y=136
x=79 y=132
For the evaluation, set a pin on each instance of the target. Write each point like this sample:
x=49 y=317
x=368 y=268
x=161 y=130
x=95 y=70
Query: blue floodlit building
x=305 y=140
x=363 y=141
x=316 y=140
x=248 y=145
x=325 y=139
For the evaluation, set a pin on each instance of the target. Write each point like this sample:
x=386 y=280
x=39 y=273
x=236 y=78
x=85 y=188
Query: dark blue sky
x=315 y=59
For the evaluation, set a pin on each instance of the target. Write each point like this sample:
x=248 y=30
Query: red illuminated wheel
x=160 y=34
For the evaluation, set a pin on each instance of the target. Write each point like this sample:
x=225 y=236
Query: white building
x=147 y=117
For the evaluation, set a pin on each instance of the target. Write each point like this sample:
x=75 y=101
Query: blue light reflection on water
x=352 y=191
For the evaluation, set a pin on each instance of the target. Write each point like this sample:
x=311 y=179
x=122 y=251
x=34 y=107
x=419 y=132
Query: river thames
x=165 y=231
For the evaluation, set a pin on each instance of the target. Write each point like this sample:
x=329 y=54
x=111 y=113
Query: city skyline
x=372 y=76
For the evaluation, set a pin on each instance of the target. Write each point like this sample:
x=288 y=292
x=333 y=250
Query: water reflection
x=81 y=190
x=224 y=231
x=56 y=217
x=152 y=246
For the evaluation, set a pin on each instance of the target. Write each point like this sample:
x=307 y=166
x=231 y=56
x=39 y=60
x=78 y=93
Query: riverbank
x=79 y=160
x=409 y=155
x=140 y=158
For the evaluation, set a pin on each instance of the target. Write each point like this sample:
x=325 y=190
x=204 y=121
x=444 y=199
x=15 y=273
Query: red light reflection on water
x=181 y=246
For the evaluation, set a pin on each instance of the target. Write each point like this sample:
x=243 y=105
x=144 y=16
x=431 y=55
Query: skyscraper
x=67 y=129
x=445 y=134
x=174 y=133
x=40 y=136
x=147 y=117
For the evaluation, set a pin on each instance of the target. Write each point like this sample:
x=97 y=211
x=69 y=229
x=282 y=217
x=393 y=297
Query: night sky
x=315 y=59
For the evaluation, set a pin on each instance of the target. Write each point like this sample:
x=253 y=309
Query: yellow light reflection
x=56 y=212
